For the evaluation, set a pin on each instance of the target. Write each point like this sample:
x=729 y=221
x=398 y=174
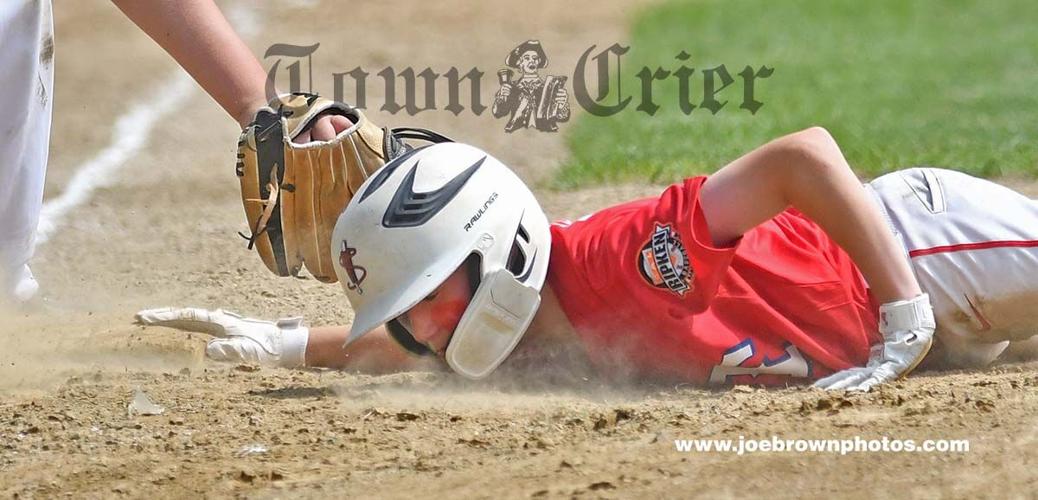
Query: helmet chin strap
x=500 y=312
x=400 y=330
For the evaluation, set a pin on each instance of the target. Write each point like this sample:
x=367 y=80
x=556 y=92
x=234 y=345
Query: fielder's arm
x=199 y=38
x=807 y=170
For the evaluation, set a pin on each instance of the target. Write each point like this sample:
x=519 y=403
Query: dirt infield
x=162 y=232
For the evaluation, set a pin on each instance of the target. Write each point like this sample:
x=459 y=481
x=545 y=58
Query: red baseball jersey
x=651 y=296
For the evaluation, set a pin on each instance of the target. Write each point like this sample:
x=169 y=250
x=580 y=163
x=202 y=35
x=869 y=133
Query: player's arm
x=288 y=343
x=200 y=39
x=807 y=170
x=375 y=352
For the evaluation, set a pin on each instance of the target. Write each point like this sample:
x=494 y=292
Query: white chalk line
x=130 y=134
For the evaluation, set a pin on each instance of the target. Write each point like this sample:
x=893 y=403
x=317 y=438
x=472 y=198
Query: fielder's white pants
x=26 y=97
x=973 y=245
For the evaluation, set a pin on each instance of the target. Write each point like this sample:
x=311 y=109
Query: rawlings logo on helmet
x=355 y=273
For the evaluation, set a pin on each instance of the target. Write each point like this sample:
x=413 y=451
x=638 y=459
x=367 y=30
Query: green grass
x=943 y=82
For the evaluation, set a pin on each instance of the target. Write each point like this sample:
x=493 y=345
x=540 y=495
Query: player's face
x=434 y=319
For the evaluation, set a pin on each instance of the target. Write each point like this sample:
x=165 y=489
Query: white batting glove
x=281 y=343
x=907 y=327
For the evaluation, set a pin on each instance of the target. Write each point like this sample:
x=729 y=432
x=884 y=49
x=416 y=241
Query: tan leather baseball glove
x=293 y=193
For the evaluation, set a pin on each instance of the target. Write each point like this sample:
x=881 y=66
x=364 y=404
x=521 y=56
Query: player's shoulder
x=602 y=216
x=681 y=193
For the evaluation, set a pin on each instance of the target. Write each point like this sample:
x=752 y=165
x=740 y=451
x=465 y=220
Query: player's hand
x=505 y=91
x=907 y=328
x=324 y=128
x=238 y=339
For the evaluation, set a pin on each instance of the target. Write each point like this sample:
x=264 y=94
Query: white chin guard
x=500 y=312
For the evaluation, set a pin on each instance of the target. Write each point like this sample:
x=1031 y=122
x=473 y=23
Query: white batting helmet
x=418 y=219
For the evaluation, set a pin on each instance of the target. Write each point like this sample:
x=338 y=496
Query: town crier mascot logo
x=664 y=263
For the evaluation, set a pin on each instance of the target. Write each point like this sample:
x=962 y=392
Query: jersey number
x=792 y=363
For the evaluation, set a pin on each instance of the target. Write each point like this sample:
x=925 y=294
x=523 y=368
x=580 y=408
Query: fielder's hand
x=907 y=327
x=238 y=339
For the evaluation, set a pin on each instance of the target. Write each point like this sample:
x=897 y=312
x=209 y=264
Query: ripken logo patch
x=663 y=261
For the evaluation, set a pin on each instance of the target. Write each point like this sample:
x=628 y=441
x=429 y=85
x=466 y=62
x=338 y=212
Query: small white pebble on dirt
x=252 y=449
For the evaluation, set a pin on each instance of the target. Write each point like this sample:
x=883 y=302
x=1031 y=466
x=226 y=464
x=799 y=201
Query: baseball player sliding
x=194 y=32
x=780 y=268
